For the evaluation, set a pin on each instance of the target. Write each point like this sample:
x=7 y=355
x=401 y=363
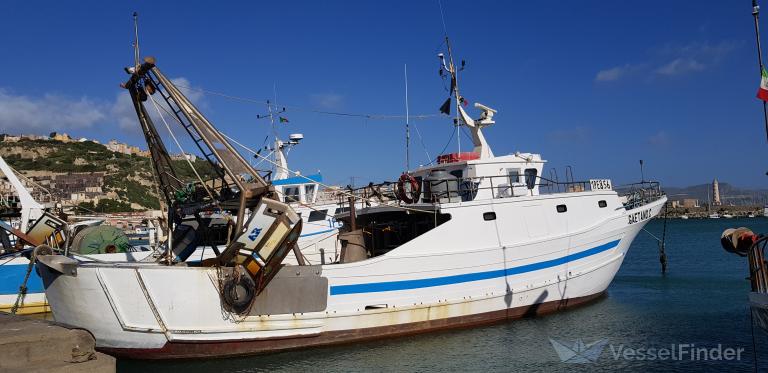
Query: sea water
x=694 y=318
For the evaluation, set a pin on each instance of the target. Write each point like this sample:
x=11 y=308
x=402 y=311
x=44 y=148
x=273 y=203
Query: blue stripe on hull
x=467 y=277
x=316 y=233
x=12 y=276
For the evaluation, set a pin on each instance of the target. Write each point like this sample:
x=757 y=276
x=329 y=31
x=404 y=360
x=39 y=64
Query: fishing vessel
x=474 y=238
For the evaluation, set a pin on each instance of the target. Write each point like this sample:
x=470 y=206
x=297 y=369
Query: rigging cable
x=421 y=140
x=298 y=108
x=276 y=165
x=214 y=200
x=446 y=144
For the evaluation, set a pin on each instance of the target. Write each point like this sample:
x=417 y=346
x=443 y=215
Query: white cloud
x=55 y=112
x=50 y=112
x=680 y=66
x=693 y=57
x=673 y=60
x=193 y=93
x=124 y=114
x=327 y=100
x=615 y=73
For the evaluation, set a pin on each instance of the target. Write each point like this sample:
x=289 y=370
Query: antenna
x=407 y=125
x=451 y=68
x=274 y=92
x=136 y=39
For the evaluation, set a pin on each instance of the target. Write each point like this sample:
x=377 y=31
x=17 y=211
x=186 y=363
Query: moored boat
x=476 y=238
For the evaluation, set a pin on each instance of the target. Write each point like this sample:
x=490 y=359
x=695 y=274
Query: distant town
x=112 y=177
x=113 y=145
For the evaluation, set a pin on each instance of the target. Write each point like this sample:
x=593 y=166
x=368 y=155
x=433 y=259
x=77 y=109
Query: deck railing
x=641 y=193
x=493 y=187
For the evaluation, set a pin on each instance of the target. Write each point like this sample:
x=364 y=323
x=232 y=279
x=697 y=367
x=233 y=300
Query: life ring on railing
x=408 y=188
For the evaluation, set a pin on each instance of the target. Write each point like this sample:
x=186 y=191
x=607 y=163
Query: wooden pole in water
x=756 y=16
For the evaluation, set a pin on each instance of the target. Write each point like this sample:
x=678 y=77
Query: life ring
x=413 y=191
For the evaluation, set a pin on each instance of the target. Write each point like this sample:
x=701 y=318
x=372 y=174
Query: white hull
x=462 y=272
x=13 y=271
x=317 y=243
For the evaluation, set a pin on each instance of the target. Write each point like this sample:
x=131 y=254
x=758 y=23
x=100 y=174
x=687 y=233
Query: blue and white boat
x=474 y=239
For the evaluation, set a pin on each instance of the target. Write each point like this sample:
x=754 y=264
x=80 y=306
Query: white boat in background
x=684 y=217
x=714 y=216
x=728 y=216
x=315 y=204
x=477 y=238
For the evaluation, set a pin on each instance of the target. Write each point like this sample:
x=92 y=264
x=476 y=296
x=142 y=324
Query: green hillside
x=130 y=176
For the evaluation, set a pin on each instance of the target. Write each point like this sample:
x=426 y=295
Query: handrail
x=502 y=186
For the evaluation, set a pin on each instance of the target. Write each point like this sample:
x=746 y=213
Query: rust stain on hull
x=179 y=350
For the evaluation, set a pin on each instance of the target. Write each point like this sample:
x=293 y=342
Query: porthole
x=562 y=208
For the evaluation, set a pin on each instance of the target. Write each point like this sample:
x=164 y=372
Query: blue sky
x=596 y=85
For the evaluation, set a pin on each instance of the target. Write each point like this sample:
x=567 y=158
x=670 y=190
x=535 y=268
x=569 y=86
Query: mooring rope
x=23 y=287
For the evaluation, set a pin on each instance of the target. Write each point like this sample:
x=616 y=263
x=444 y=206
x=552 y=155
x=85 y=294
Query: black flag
x=446 y=107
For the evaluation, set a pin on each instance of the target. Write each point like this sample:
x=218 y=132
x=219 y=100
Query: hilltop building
x=63 y=137
x=118 y=147
x=184 y=156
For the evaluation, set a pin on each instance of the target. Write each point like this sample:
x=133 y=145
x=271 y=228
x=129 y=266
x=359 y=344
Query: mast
x=756 y=16
x=455 y=85
x=136 y=39
x=407 y=125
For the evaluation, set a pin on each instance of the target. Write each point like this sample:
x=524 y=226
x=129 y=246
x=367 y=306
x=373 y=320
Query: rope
x=355 y=115
x=752 y=329
x=421 y=140
x=23 y=286
x=446 y=144
x=182 y=149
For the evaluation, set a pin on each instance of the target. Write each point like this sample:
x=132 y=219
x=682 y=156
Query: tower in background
x=716 y=193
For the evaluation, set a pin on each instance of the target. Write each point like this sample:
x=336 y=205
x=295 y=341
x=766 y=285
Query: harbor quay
x=39 y=345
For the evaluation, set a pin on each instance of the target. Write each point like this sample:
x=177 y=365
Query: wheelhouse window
x=309 y=192
x=317 y=215
x=514 y=175
x=291 y=194
x=530 y=177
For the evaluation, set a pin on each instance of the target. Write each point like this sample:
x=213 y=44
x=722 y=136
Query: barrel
x=441 y=186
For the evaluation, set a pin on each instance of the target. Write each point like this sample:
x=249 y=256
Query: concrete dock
x=34 y=345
